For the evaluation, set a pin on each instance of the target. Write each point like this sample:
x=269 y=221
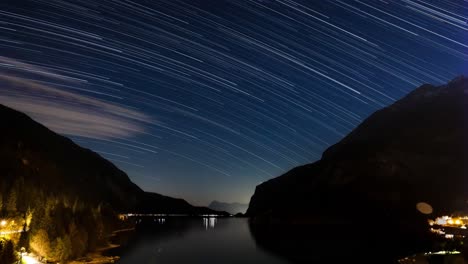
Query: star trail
x=206 y=99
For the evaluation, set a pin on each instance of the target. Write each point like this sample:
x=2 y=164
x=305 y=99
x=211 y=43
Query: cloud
x=32 y=89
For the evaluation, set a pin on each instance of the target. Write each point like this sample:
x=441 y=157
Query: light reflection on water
x=160 y=220
x=209 y=222
x=195 y=240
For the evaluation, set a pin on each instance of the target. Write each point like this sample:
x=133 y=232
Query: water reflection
x=194 y=240
x=160 y=220
x=209 y=222
x=333 y=243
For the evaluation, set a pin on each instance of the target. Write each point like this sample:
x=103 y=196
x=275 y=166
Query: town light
x=29 y=260
x=3 y=223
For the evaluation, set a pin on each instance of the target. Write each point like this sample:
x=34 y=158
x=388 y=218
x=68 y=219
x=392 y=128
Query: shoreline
x=99 y=256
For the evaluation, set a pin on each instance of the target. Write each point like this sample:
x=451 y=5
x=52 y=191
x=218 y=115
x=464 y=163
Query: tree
x=7 y=253
x=28 y=217
x=23 y=240
x=80 y=239
x=63 y=248
x=40 y=243
x=11 y=203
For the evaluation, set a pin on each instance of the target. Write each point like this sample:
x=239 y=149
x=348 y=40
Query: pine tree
x=40 y=243
x=28 y=217
x=79 y=241
x=7 y=253
x=11 y=203
x=63 y=248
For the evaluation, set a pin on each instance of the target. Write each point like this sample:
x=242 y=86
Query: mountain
x=409 y=153
x=232 y=208
x=64 y=191
x=55 y=164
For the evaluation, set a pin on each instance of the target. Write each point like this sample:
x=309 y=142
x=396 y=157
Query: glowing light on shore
x=29 y=260
x=446 y=226
x=443 y=252
x=459 y=222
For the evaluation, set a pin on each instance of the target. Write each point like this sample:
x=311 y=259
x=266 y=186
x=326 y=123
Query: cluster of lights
x=23 y=255
x=8 y=227
x=428 y=254
x=449 y=236
x=448 y=222
x=152 y=215
x=164 y=215
x=442 y=233
x=443 y=252
x=437 y=231
x=459 y=222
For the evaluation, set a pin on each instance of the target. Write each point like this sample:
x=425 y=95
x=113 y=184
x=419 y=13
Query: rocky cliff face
x=410 y=152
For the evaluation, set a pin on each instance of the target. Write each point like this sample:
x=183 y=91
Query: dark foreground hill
x=411 y=152
x=65 y=189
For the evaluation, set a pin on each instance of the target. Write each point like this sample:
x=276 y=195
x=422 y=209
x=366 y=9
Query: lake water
x=233 y=240
x=195 y=240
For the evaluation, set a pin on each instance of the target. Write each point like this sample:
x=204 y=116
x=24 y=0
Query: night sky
x=206 y=99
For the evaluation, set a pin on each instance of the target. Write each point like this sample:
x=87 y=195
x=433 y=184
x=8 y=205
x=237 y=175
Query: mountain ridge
x=33 y=144
x=364 y=194
x=378 y=146
x=67 y=197
x=232 y=208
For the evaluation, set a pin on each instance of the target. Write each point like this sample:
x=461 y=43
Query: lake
x=234 y=240
x=195 y=240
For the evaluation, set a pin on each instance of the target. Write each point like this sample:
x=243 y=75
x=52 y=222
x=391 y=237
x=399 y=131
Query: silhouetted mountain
x=232 y=208
x=410 y=152
x=56 y=165
x=68 y=196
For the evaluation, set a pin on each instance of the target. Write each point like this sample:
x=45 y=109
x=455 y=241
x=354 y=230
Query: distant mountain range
x=410 y=153
x=232 y=208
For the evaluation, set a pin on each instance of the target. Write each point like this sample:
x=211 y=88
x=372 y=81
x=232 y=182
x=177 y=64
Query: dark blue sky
x=206 y=99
